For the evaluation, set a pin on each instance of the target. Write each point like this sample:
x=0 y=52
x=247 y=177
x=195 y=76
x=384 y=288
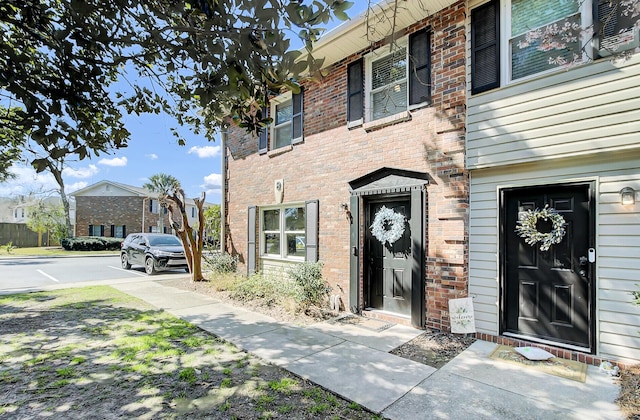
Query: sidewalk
x=354 y=363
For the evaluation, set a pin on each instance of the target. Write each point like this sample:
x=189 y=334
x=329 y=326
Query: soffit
x=353 y=35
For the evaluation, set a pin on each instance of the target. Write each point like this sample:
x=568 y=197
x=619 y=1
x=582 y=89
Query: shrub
x=312 y=289
x=222 y=263
x=91 y=243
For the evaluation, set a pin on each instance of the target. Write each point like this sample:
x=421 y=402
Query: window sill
x=279 y=151
x=355 y=124
x=390 y=120
x=270 y=257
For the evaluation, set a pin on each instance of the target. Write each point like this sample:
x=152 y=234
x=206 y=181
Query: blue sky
x=152 y=149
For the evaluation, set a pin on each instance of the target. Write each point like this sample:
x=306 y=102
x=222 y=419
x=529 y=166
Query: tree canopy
x=70 y=70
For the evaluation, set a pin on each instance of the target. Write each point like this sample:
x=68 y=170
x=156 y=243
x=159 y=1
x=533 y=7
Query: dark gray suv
x=155 y=251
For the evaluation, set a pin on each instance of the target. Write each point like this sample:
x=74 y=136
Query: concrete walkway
x=354 y=362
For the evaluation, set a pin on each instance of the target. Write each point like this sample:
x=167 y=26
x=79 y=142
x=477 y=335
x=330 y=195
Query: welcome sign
x=461 y=316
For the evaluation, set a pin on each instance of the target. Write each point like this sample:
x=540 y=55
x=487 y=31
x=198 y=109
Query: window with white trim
x=387 y=83
x=282 y=114
x=283 y=232
x=512 y=40
x=395 y=79
x=286 y=128
x=544 y=34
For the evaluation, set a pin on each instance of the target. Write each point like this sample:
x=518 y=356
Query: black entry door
x=548 y=294
x=388 y=266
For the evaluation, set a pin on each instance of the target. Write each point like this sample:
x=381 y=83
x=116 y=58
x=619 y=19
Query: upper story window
x=533 y=37
x=286 y=129
x=387 y=85
x=390 y=80
x=544 y=34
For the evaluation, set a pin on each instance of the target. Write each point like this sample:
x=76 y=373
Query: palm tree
x=171 y=196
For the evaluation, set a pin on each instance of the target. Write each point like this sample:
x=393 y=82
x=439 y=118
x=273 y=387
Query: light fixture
x=627 y=196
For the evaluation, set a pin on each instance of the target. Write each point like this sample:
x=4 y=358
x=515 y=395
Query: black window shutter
x=251 y=240
x=113 y=231
x=124 y=231
x=355 y=92
x=263 y=144
x=485 y=47
x=420 y=67
x=297 y=119
x=90 y=230
x=311 y=219
x=101 y=230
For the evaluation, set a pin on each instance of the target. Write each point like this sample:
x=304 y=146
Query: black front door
x=548 y=294
x=388 y=266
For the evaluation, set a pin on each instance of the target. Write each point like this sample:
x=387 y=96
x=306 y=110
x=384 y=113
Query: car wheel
x=125 y=261
x=149 y=266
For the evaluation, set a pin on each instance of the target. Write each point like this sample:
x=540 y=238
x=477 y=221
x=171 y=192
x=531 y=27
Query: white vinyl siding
x=617 y=242
x=571 y=113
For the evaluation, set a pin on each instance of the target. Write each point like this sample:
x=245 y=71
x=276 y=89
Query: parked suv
x=155 y=251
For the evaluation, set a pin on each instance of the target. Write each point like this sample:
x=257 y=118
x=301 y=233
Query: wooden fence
x=20 y=235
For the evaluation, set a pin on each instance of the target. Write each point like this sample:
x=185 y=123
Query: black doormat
x=363 y=322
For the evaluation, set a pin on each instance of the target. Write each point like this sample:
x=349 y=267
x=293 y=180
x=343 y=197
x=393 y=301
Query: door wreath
x=527 y=229
x=388 y=225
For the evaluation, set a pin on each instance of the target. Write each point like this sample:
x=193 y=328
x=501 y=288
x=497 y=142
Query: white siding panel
x=618 y=352
x=569 y=113
x=617 y=241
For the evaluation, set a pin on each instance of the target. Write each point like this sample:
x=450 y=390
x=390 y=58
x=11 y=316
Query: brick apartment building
x=379 y=140
x=112 y=209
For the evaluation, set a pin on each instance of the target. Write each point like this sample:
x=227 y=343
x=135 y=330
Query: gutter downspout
x=223 y=190
x=143 y=209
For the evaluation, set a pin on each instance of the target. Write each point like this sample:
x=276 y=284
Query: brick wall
x=120 y=210
x=432 y=142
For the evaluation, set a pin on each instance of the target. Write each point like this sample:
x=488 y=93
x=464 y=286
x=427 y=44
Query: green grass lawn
x=96 y=352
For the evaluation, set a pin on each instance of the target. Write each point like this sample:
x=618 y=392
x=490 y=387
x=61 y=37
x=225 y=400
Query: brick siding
x=431 y=142
x=118 y=211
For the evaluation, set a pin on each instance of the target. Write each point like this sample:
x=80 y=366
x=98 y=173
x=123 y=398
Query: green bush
x=312 y=289
x=222 y=263
x=91 y=243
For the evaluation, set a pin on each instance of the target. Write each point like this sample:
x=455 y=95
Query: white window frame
x=586 y=19
x=282 y=232
x=376 y=55
x=279 y=100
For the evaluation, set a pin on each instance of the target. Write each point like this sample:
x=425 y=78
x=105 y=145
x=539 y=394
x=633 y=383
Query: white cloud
x=75 y=186
x=212 y=183
x=114 y=162
x=86 y=172
x=27 y=181
x=152 y=156
x=205 y=151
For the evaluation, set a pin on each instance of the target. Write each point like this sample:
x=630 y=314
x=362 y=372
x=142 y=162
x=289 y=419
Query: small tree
x=170 y=193
x=212 y=222
x=47 y=218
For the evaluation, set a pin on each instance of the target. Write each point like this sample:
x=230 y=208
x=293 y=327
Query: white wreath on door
x=526 y=227
x=388 y=225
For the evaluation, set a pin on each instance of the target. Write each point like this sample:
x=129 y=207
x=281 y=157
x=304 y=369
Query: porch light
x=627 y=196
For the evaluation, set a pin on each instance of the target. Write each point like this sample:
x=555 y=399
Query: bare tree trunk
x=192 y=247
x=57 y=174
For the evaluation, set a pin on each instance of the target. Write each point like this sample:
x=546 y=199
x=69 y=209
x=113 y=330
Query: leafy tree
x=212 y=222
x=170 y=193
x=47 y=218
x=70 y=70
x=12 y=140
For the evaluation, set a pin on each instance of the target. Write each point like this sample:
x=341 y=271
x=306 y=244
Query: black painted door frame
x=549 y=273
x=358 y=257
x=387 y=277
